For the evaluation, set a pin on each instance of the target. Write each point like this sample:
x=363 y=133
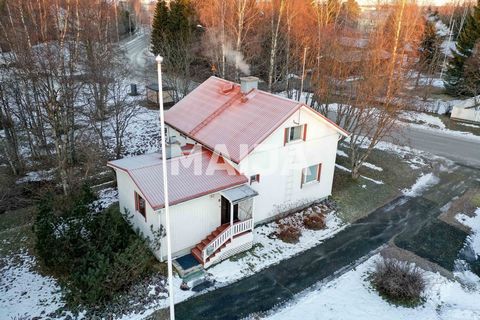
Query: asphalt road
x=461 y=149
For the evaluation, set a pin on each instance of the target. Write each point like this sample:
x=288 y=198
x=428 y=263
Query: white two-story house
x=237 y=157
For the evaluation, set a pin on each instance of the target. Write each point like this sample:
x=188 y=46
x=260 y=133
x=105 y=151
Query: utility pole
x=165 y=189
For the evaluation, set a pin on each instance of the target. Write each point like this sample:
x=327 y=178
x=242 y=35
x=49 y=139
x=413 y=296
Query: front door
x=226 y=211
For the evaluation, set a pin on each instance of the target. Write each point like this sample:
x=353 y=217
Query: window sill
x=313 y=182
x=294 y=142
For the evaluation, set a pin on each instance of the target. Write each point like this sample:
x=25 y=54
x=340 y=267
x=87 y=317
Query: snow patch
x=372 y=166
x=106 y=198
x=38 y=176
x=366 y=178
x=342 y=153
x=423 y=182
x=474 y=224
x=423 y=118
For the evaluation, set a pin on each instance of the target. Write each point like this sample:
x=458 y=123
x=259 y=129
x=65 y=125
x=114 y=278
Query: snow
x=269 y=250
x=37 y=176
x=372 y=166
x=474 y=224
x=24 y=292
x=423 y=118
x=342 y=153
x=106 y=198
x=366 y=178
x=351 y=297
x=468 y=125
x=423 y=182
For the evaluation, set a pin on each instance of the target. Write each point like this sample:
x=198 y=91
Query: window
x=254 y=178
x=311 y=174
x=140 y=205
x=295 y=133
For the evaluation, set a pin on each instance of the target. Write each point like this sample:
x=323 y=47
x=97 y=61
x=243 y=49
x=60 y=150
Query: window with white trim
x=295 y=133
x=311 y=173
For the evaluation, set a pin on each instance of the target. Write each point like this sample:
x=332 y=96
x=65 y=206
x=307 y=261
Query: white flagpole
x=165 y=188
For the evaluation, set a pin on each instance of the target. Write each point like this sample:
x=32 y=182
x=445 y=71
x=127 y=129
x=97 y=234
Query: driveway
x=277 y=284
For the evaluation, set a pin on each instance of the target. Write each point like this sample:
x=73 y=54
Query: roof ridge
x=217 y=112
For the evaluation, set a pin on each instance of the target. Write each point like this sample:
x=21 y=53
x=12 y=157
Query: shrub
x=399 y=282
x=289 y=233
x=315 y=221
x=96 y=255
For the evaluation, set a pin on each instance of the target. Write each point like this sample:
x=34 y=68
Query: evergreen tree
x=430 y=45
x=172 y=25
x=456 y=77
x=159 y=27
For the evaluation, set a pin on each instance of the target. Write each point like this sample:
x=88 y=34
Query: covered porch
x=235 y=232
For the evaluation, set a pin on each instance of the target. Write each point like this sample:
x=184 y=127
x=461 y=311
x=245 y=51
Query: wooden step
x=197 y=254
x=200 y=246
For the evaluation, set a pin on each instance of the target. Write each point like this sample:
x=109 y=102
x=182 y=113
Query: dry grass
x=314 y=221
x=399 y=282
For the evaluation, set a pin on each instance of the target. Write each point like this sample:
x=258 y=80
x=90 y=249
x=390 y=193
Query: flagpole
x=165 y=188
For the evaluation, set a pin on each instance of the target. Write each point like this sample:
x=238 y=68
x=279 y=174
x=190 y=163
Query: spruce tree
x=430 y=45
x=159 y=27
x=172 y=26
x=455 y=77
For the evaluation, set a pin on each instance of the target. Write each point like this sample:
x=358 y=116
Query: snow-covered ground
x=37 y=176
x=106 y=198
x=23 y=291
x=364 y=177
x=432 y=123
x=352 y=297
x=269 y=250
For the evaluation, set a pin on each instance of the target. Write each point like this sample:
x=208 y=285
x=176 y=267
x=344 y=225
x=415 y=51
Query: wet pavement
x=279 y=283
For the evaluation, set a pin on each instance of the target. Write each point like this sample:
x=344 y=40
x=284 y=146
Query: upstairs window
x=295 y=133
x=140 y=205
x=311 y=173
x=254 y=178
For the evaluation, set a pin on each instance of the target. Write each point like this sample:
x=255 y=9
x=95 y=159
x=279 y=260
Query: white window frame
x=289 y=133
x=317 y=176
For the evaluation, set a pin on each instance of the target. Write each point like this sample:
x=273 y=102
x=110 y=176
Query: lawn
x=356 y=199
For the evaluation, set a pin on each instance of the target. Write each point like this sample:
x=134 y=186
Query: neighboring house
x=237 y=157
x=467 y=110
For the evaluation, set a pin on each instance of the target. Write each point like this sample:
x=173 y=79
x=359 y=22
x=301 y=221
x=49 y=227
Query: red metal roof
x=189 y=177
x=226 y=120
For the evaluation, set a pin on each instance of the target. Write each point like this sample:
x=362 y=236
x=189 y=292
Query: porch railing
x=230 y=232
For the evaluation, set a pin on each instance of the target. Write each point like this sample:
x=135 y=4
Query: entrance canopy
x=238 y=194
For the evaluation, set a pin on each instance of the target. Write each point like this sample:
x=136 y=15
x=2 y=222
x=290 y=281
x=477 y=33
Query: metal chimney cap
x=248 y=83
